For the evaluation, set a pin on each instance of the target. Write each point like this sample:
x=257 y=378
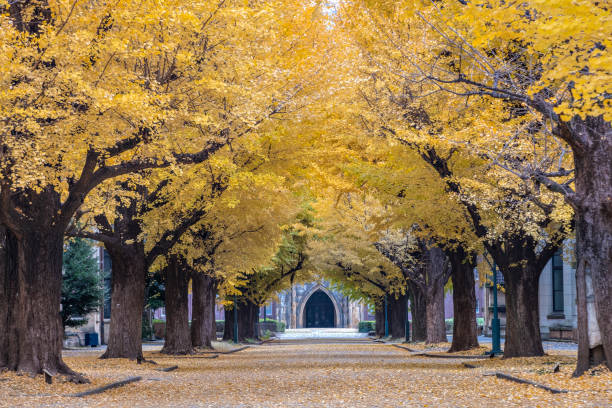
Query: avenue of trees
x=243 y=147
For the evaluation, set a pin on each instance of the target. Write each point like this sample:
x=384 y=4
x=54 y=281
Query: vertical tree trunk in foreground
x=522 y=314
x=418 y=310
x=521 y=266
x=593 y=181
x=465 y=334
x=379 y=315
x=397 y=315
x=178 y=335
x=203 y=326
x=8 y=298
x=248 y=316
x=437 y=276
x=127 y=301
x=228 y=328
x=31 y=330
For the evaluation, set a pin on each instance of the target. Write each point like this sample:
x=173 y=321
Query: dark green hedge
x=367 y=326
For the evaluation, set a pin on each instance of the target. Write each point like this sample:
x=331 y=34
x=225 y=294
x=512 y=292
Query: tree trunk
x=521 y=263
x=436 y=277
x=213 y=314
x=202 y=310
x=465 y=334
x=436 y=327
x=397 y=315
x=127 y=301
x=31 y=324
x=247 y=315
x=8 y=298
x=418 y=310
x=228 y=328
x=178 y=336
x=379 y=315
x=522 y=317
x=593 y=181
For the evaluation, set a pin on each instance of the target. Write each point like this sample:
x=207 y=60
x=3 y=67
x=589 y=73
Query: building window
x=557 y=281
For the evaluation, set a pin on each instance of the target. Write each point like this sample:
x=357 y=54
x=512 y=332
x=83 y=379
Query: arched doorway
x=319 y=311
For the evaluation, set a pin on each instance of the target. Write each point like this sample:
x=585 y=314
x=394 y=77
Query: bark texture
x=397 y=315
x=31 y=330
x=178 y=334
x=379 y=315
x=127 y=301
x=418 y=309
x=248 y=316
x=203 y=326
x=522 y=317
x=437 y=275
x=521 y=264
x=593 y=204
x=465 y=334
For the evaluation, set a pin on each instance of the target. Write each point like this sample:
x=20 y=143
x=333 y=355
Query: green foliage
x=366 y=326
x=155 y=292
x=81 y=283
x=280 y=326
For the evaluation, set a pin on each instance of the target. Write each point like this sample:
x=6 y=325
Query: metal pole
x=386 y=318
x=235 y=320
x=407 y=322
x=495 y=346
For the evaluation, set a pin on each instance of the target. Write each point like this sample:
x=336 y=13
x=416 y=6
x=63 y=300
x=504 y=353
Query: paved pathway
x=321 y=333
x=368 y=374
x=548 y=345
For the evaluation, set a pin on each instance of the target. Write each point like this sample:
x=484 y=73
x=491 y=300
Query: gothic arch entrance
x=319 y=311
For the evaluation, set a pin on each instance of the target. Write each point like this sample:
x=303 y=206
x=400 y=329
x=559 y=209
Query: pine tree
x=81 y=283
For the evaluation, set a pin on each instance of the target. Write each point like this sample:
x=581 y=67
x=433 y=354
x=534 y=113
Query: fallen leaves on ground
x=335 y=375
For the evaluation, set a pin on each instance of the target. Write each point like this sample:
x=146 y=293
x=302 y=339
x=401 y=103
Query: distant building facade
x=316 y=304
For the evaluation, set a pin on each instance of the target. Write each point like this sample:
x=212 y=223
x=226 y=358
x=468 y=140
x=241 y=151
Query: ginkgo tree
x=98 y=91
x=548 y=65
x=512 y=218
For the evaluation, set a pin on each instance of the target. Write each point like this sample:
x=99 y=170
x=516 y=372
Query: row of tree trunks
x=178 y=334
x=465 y=334
x=248 y=316
x=203 y=325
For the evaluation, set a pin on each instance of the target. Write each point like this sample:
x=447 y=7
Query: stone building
x=316 y=304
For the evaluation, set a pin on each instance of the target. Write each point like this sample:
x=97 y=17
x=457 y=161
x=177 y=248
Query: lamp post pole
x=495 y=346
x=235 y=320
x=386 y=317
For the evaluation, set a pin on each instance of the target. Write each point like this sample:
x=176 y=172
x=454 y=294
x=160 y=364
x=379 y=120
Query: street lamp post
x=235 y=320
x=386 y=318
x=495 y=346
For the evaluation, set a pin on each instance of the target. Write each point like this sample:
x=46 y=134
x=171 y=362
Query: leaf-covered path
x=315 y=375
